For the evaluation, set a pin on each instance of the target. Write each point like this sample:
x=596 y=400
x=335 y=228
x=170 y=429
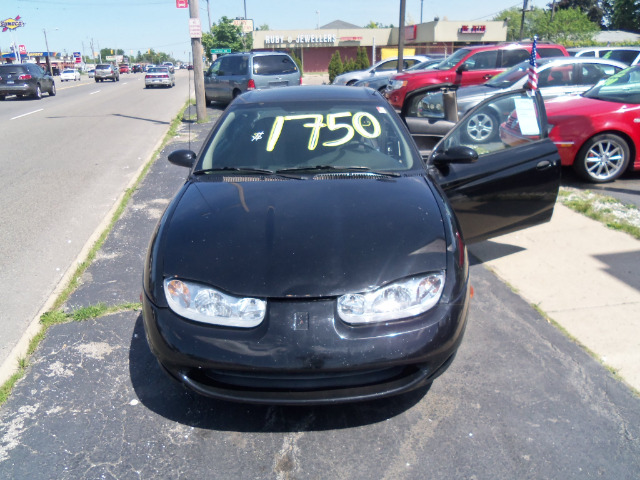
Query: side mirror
x=457 y=154
x=462 y=68
x=183 y=158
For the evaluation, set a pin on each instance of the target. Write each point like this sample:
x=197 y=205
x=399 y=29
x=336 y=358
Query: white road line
x=25 y=114
x=93 y=93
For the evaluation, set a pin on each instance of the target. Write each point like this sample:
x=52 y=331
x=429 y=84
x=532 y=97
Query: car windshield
x=103 y=67
x=68 y=71
x=623 y=87
x=507 y=78
x=313 y=136
x=158 y=70
x=451 y=61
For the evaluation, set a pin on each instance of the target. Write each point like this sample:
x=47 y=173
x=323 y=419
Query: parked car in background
x=598 y=132
x=387 y=66
x=313 y=256
x=124 y=68
x=160 y=76
x=70 y=74
x=556 y=76
x=471 y=65
x=380 y=82
x=628 y=55
x=236 y=73
x=107 y=71
x=25 y=80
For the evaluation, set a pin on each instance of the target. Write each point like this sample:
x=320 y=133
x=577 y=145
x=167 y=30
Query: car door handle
x=543 y=165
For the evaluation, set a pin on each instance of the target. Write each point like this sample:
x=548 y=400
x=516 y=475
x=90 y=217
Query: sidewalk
x=584 y=276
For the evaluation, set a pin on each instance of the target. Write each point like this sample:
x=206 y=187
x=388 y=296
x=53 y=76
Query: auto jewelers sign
x=11 y=23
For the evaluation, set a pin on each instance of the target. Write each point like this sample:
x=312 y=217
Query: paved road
x=626 y=188
x=65 y=162
x=520 y=400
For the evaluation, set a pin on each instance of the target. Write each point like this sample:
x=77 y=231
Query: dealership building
x=315 y=47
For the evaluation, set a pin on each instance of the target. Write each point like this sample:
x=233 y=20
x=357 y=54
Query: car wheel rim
x=604 y=159
x=480 y=127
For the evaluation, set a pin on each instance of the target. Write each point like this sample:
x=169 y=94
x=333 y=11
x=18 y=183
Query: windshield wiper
x=334 y=168
x=249 y=170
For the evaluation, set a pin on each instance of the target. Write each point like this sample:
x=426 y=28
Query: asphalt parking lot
x=521 y=400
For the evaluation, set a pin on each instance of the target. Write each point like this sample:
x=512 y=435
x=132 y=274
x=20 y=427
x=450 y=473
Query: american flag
x=533 y=73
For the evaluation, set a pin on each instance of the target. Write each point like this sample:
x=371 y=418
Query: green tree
x=350 y=65
x=373 y=24
x=570 y=25
x=362 y=60
x=263 y=27
x=626 y=15
x=593 y=9
x=335 y=66
x=226 y=35
x=297 y=60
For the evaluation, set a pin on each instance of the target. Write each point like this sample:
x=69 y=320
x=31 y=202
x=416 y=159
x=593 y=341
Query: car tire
x=481 y=127
x=2 y=98
x=38 y=93
x=97 y=80
x=603 y=158
x=52 y=92
x=207 y=101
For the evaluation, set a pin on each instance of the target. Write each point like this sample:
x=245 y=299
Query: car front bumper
x=302 y=353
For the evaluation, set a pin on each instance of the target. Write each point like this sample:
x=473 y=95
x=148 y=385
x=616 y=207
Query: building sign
x=22 y=49
x=11 y=23
x=182 y=3
x=350 y=39
x=410 y=32
x=473 y=29
x=246 y=26
x=303 y=38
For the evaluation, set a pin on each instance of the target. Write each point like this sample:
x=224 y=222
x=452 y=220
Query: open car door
x=506 y=183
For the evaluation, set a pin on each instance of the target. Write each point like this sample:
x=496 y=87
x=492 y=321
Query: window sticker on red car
x=362 y=123
x=527 y=118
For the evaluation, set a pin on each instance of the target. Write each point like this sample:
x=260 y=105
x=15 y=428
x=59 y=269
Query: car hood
x=303 y=238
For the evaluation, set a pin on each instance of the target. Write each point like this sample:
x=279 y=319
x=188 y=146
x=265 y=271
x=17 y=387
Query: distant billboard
x=246 y=25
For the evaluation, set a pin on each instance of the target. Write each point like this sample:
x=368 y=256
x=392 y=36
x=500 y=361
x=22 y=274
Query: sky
x=137 y=25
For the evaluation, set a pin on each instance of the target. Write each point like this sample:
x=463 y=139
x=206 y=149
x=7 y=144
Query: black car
x=314 y=256
x=25 y=80
x=137 y=68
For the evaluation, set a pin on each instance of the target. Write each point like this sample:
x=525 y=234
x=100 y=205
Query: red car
x=598 y=132
x=124 y=68
x=471 y=65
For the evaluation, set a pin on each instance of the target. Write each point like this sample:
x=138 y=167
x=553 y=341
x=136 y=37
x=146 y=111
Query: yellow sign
x=11 y=23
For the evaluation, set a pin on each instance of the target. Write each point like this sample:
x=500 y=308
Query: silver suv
x=106 y=71
x=235 y=73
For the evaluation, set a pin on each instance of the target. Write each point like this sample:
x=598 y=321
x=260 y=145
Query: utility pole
x=198 y=70
x=524 y=9
x=209 y=15
x=401 y=36
x=46 y=43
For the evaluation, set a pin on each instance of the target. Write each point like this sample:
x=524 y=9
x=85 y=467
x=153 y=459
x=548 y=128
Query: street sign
x=220 y=50
x=195 y=30
x=182 y=3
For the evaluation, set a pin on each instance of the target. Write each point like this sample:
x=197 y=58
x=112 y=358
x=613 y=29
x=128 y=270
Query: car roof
x=571 y=60
x=310 y=93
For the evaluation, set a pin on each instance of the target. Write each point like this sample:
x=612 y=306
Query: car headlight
x=401 y=299
x=396 y=84
x=208 y=305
